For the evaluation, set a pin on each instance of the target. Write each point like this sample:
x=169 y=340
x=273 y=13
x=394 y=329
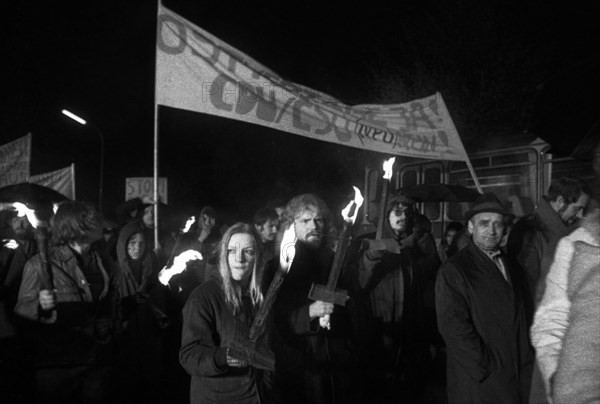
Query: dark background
x=509 y=71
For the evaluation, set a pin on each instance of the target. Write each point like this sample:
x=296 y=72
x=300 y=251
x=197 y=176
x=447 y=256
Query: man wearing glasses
x=387 y=293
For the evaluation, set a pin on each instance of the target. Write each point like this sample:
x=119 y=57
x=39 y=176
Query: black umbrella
x=37 y=197
x=440 y=193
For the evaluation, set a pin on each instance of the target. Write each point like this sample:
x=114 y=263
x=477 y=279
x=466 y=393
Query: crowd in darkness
x=500 y=310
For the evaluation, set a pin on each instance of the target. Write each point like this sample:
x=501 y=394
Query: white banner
x=15 y=158
x=197 y=72
x=62 y=180
x=143 y=188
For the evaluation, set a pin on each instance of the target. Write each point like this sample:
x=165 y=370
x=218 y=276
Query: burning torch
x=387 y=176
x=261 y=357
x=41 y=236
x=328 y=293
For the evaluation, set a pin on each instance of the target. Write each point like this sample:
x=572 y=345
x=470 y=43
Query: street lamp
x=84 y=122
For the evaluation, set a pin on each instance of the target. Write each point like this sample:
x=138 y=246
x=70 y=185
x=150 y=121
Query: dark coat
x=482 y=321
x=303 y=350
x=209 y=327
x=532 y=242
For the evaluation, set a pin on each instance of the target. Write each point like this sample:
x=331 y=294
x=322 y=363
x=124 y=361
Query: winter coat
x=304 y=351
x=481 y=318
x=209 y=327
x=532 y=242
x=70 y=333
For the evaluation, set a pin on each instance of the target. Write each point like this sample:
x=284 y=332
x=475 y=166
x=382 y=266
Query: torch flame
x=179 y=265
x=387 y=168
x=23 y=210
x=189 y=224
x=358 y=200
x=288 y=248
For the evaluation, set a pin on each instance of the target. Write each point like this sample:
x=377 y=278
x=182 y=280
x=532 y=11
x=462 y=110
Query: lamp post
x=95 y=128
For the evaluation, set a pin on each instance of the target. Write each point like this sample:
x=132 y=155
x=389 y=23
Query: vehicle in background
x=519 y=176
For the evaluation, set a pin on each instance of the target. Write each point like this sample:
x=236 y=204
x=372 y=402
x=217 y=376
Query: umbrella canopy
x=37 y=197
x=441 y=193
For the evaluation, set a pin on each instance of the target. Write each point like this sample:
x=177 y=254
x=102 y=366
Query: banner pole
x=155 y=196
x=73 y=182
x=468 y=160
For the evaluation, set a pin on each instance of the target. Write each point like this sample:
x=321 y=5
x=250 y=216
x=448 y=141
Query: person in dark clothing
x=17 y=246
x=216 y=314
x=140 y=367
x=389 y=335
x=445 y=250
x=480 y=314
x=532 y=242
x=71 y=305
x=266 y=223
x=313 y=364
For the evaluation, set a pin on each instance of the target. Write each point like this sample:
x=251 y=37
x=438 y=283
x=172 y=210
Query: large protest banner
x=15 y=158
x=196 y=71
x=62 y=180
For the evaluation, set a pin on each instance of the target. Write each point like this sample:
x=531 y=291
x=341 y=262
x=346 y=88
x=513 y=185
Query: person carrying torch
x=314 y=359
x=218 y=315
x=68 y=293
x=383 y=265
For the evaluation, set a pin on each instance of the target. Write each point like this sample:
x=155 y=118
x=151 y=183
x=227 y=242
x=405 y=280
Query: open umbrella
x=37 y=197
x=440 y=193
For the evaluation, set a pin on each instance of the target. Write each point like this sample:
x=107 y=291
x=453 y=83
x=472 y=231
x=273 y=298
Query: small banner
x=196 y=71
x=143 y=188
x=15 y=157
x=62 y=180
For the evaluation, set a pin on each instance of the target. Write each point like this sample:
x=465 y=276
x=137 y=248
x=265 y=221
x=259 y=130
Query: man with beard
x=313 y=364
x=481 y=317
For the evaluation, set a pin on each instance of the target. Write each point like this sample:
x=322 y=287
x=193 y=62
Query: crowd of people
x=501 y=310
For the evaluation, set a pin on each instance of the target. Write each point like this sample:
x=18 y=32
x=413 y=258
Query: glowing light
x=288 y=248
x=358 y=201
x=189 y=224
x=23 y=210
x=10 y=244
x=74 y=117
x=387 y=168
x=179 y=265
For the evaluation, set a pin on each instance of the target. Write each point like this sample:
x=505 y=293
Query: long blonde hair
x=232 y=290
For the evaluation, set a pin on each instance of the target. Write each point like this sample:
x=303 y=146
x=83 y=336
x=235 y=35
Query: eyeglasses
x=400 y=211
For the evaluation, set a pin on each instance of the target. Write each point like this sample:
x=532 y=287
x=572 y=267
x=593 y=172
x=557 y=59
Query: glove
x=251 y=353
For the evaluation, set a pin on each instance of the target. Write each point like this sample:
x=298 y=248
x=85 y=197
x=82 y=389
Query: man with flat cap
x=480 y=314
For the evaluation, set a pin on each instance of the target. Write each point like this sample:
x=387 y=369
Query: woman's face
x=241 y=254
x=136 y=246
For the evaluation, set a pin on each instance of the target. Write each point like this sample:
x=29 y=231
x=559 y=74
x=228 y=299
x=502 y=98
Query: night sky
x=509 y=71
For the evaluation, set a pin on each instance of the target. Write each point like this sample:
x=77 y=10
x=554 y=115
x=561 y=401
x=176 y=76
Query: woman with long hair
x=219 y=312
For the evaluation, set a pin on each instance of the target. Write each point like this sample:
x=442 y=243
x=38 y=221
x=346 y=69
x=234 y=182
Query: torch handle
x=42 y=241
x=258 y=324
x=340 y=254
x=382 y=203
